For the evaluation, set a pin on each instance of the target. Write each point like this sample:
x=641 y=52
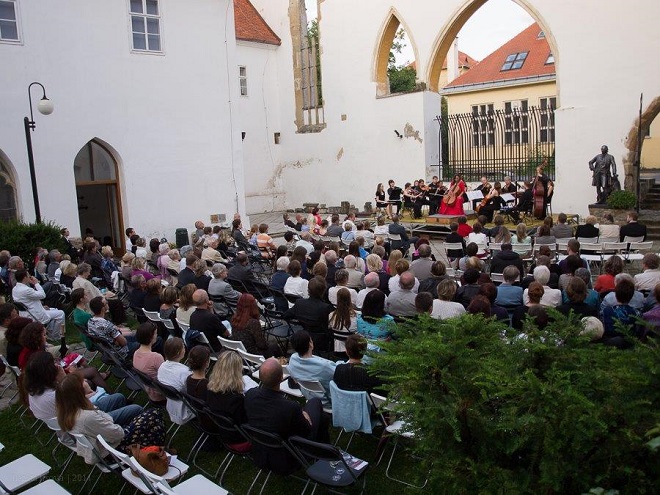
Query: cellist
x=452 y=201
x=543 y=188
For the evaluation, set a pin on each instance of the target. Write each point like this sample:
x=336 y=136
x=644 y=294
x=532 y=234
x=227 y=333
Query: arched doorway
x=8 y=203
x=649 y=142
x=98 y=191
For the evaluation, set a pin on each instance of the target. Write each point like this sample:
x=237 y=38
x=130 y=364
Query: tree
x=402 y=77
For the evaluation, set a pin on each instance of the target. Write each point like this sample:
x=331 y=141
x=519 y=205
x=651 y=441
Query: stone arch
x=392 y=22
x=9 y=204
x=650 y=113
x=451 y=29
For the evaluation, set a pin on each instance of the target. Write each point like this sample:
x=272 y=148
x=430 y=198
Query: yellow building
x=501 y=111
x=651 y=147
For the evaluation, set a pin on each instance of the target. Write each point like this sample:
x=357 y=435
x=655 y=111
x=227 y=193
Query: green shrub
x=621 y=200
x=20 y=239
x=549 y=413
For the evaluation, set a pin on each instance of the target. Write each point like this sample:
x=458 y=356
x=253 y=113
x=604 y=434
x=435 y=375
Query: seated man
x=211 y=253
x=268 y=409
x=397 y=229
x=421 y=267
x=454 y=238
x=24 y=293
x=637 y=300
x=508 y=294
x=504 y=258
x=341 y=282
x=355 y=275
x=219 y=287
x=562 y=230
x=402 y=302
x=650 y=276
x=241 y=271
x=187 y=274
x=121 y=340
x=372 y=281
x=204 y=320
x=313 y=313
x=469 y=289
x=303 y=365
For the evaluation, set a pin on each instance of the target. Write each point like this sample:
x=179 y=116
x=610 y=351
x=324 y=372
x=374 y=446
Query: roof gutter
x=504 y=83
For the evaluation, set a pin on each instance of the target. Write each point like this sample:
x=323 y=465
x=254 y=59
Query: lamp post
x=45 y=107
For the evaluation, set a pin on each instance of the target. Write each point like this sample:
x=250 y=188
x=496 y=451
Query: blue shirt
x=624 y=313
x=378 y=330
x=509 y=295
x=593 y=298
x=312 y=368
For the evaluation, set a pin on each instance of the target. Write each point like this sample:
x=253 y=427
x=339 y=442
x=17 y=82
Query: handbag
x=153 y=458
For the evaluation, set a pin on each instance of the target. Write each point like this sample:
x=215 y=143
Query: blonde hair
x=227 y=374
x=591 y=220
x=106 y=251
x=521 y=232
x=374 y=263
x=70 y=270
x=395 y=256
x=137 y=264
x=127 y=258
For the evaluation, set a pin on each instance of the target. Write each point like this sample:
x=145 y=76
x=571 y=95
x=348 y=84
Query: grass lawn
x=20 y=440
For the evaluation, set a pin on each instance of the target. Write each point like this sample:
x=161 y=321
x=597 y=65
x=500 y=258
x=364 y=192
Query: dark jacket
x=186 y=276
x=632 y=229
x=506 y=258
x=455 y=238
x=313 y=314
x=240 y=272
x=465 y=293
x=587 y=231
x=210 y=325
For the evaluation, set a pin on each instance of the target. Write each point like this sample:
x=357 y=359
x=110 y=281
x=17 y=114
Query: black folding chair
x=226 y=427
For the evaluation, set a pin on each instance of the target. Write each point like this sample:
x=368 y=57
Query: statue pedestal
x=600 y=210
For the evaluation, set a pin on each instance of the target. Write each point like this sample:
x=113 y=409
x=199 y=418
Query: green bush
x=20 y=239
x=547 y=413
x=621 y=200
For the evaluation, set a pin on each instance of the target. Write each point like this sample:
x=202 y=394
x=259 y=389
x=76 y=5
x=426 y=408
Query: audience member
x=489 y=291
x=402 y=301
x=147 y=361
x=175 y=374
x=313 y=313
x=353 y=375
x=372 y=281
x=463 y=228
x=535 y=293
x=576 y=291
x=608 y=231
x=186 y=304
x=621 y=312
x=424 y=303
x=438 y=273
x=479 y=305
x=562 y=230
x=636 y=302
x=341 y=281
x=650 y=276
x=374 y=322
x=445 y=307
x=551 y=297
x=121 y=340
x=246 y=327
x=304 y=365
x=509 y=295
x=296 y=285
x=469 y=289
x=632 y=228
x=504 y=258
x=612 y=267
x=422 y=266
x=241 y=271
x=588 y=230
x=355 y=275
x=226 y=297
x=29 y=292
x=204 y=320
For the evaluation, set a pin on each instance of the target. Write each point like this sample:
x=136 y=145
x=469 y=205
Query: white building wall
x=603 y=64
x=259 y=116
x=170 y=117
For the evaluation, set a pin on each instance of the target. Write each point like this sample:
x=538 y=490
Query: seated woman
x=140 y=248
x=186 y=304
x=69 y=273
x=544 y=237
x=76 y=414
x=296 y=285
x=374 y=323
x=573 y=262
x=42 y=374
x=444 y=306
x=246 y=327
x=605 y=282
x=163 y=261
x=168 y=300
x=353 y=375
x=225 y=395
x=535 y=292
x=152 y=300
x=199 y=359
x=375 y=264
x=13 y=335
x=576 y=291
x=343 y=319
x=117 y=311
x=521 y=236
x=108 y=265
x=138 y=268
x=147 y=361
x=479 y=238
x=175 y=374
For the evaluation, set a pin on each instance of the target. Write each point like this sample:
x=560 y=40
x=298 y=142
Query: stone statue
x=603 y=167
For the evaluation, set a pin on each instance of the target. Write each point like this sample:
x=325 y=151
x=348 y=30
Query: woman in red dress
x=452 y=201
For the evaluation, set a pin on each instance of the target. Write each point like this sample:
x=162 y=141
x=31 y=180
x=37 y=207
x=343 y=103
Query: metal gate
x=497 y=143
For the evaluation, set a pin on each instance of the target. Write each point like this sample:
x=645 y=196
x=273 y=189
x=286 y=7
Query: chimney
x=452 y=62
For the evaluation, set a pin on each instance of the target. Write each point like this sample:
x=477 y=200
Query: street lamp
x=45 y=107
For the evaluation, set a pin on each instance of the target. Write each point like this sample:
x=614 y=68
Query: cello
x=539 y=191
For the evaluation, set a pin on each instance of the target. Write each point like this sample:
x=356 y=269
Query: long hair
x=70 y=399
x=227 y=374
x=395 y=256
x=185 y=297
x=341 y=318
x=246 y=310
x=373 y=307
x=40 y=373
x=32 y=336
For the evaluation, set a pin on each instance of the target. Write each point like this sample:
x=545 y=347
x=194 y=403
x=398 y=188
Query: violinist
x=508 y=187
x=485 y=188
x=410 y=195
x=452 y=201
x=436 y=191
x=491 y=202
x=525 y=203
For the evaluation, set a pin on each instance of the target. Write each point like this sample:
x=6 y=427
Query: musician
x=422 y=195
x=379 y=197
x=508 y=187
x=525 y=203
x=436 y=191
x=410 y=195
x=485 y=188
x=394 y=197
x=452 y=201
x=541 y=179
x=491 y=202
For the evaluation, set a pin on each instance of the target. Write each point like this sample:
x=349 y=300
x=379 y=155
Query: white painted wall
x=171 y=118
x=599 y=78
x=259 y=117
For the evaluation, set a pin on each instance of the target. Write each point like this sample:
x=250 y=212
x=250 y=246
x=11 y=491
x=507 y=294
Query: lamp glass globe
x=45 y=106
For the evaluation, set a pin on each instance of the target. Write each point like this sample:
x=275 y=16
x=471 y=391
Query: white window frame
x=549 y=125
x=19 y=34
x=243 y=80
x=145 y=17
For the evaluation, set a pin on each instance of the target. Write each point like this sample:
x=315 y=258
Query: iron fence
x=497 y=143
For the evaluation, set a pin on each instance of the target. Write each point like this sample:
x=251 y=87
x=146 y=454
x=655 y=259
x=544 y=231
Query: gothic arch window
x=394 y=76
x=8 y=210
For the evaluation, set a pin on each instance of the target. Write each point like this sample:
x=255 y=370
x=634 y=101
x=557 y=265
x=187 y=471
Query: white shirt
x=647 y=280
x=31 y=298
x=141 y=253
x=382 y=230
x=361 y=295
x=393 y=284
x=446 y=309
x=351 y=223
x=296 y=286
x=175 y=374
x=332 y=294
x=129 y=245
x=551 y=297
x=309 y=247
x=480 y=239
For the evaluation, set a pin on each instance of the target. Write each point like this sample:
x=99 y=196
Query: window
x=541 y=35
x=514 y=61
x=145 y=25
x=547 y=128
x=242 y=80
x=8 y=21
x=516 y=122
x=550 y=59
x=483 y=125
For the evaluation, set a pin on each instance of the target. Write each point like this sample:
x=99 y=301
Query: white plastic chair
x=153 y=316
x=313 y=388
x=184 y=328
x=102 y=465
x=197 y=485
x=234 y=345
x=48 y=487
x=252 y=361
x=22 y=471
x=61 y=440
x=497 y=278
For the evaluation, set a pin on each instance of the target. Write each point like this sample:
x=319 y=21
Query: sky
x=490 y=27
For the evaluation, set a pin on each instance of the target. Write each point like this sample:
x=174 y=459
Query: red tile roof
x=464 y=60
x=250 y=26
x=489 y=69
